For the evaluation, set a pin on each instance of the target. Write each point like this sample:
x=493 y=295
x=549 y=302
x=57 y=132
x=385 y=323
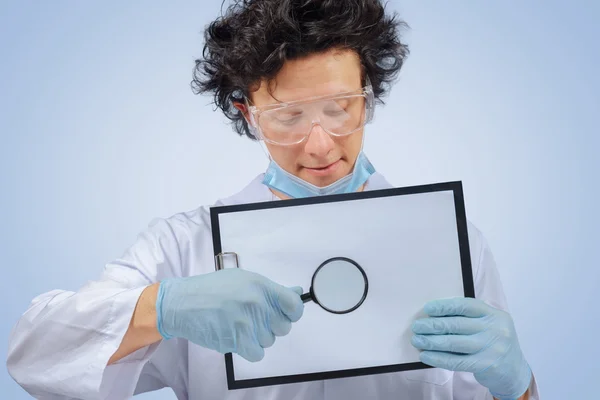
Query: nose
x=319 y=143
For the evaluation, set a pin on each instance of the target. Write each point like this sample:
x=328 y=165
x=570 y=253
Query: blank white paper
x=408 y=246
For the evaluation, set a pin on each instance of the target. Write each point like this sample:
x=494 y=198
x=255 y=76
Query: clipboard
x=411 y=241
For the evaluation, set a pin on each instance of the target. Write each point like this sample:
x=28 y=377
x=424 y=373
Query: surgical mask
x=282 y=181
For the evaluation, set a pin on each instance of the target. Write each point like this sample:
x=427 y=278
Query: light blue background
x=101 y=133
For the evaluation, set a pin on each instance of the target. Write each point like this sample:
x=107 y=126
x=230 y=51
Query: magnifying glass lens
x=339 y=286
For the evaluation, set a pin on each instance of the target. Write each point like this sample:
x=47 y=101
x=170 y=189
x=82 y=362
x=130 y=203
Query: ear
x=243 y=109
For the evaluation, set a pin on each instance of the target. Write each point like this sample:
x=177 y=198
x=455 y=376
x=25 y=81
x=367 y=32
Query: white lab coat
x=60 y=347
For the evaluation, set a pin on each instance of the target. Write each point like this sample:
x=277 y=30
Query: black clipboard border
x=465 y=258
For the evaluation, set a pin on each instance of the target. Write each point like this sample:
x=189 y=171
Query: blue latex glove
x=465 y=334
x=230 y=311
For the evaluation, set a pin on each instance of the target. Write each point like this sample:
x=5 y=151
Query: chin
x=322 y=181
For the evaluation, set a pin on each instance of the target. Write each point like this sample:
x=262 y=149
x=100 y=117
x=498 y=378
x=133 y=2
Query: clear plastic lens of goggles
x=291 y=124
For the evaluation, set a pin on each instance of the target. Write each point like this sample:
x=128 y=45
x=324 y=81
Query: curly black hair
x=254 y=38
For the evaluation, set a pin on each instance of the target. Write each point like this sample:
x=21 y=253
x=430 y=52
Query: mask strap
x=263 y=146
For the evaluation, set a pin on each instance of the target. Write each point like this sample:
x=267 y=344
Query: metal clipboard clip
x=219 y=263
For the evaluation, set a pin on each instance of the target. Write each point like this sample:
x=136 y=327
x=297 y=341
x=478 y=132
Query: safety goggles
x=291 y=123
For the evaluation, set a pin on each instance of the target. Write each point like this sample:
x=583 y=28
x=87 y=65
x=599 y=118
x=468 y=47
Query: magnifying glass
x=339 y=286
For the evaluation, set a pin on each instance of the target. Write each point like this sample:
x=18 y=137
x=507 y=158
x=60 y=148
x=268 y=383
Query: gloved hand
x=230 y=311
x=465 y=334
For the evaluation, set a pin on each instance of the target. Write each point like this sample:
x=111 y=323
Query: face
x=321 y=158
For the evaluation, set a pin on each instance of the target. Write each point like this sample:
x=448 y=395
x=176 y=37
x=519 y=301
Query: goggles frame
x=255 y=112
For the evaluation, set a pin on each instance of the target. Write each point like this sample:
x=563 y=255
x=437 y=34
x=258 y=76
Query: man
x=302 y=77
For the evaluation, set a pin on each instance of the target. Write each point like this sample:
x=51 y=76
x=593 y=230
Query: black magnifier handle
x=306 y=297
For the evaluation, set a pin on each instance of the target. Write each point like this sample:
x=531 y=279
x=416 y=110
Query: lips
x=322 y=167
x=323 y=171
